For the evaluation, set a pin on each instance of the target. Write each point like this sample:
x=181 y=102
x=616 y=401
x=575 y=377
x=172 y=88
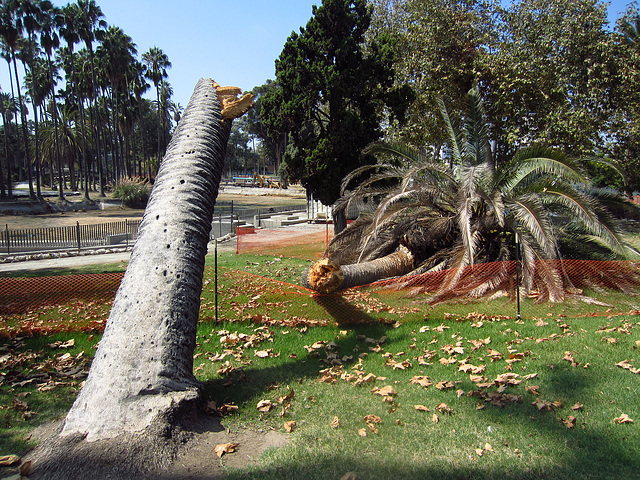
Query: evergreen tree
x=331 y=96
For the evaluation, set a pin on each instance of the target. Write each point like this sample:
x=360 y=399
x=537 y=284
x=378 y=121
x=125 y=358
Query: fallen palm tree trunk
x=326 y=276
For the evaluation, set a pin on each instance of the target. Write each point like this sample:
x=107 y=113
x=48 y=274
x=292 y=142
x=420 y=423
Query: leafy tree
x=330 y=96
x=553 y=87
x=626 y=123
x=440 y=48
x=273 y=140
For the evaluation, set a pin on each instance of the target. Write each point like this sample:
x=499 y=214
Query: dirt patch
x=199 y=460
x=196 y=457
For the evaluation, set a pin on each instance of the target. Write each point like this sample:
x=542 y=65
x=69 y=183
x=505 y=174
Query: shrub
x=134 y=192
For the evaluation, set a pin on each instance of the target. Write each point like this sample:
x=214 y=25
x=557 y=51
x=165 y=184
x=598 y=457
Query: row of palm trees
x=94 y=127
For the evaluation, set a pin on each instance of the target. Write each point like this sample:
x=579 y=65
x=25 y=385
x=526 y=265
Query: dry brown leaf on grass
x=422 y=380
x=290 y=426
x=421 y=408
x=362 y=432
x=335 y=423
x=372 y=419
x=264 y=405
x=577 y=406
x=434 y=418
x=471 y=369
x=569 y=422
x=624 y=418
x=626 y=364
x=444 y=408
x=544 y=406
x=387 y=391
x=223 y=448
x=289 y=396
x=445 y=385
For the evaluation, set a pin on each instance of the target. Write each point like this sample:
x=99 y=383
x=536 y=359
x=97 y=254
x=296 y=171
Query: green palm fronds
x=541 y=194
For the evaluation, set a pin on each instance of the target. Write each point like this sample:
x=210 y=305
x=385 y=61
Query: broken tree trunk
x=326 y=276
x=143 y=368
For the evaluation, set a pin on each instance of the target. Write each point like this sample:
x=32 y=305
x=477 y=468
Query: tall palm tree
x=152 y=322
x=157 y=64
x=70 y=32
x=5 y=143
x=12 y=29
x=32 y=13
x=92 y=26
x=49 y=40
x=7 y=108
x=118 y=54
x=468 y=212
x=138 y=87
x=64 y=138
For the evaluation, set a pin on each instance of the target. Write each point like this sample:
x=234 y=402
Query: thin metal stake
x=518 y=275
x=215 y=268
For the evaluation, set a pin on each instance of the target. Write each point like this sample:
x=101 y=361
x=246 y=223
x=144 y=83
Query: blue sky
x=235 y=42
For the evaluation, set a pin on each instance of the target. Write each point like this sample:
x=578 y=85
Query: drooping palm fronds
x=464 y=210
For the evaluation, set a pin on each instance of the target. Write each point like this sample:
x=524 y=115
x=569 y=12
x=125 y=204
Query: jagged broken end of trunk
x=324 y=276
x=327 y=276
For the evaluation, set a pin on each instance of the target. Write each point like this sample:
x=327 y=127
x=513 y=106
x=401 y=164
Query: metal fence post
x=78 y=235
x=7 y=232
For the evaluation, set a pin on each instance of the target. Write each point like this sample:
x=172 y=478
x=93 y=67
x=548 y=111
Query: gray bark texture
x=143 y=368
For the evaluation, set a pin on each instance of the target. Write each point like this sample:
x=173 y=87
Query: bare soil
x=196 y=458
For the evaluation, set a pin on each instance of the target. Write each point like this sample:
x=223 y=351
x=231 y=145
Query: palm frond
x=477 y=149
x=456 y=136
x=532 y=218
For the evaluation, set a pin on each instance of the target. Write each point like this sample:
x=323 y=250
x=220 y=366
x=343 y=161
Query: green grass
x=526 y=442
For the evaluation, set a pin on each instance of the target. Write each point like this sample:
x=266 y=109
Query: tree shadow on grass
x=246 y=383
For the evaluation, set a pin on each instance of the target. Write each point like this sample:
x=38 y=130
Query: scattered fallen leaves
x=386 y=393
x=445 y=385
x=290 y=426
x=421 y=408
x=422 y=380
x=626 y=364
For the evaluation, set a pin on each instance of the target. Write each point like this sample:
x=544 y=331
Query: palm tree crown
x=467 y=211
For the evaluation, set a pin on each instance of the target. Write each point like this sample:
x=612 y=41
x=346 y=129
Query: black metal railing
x=24 y=240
